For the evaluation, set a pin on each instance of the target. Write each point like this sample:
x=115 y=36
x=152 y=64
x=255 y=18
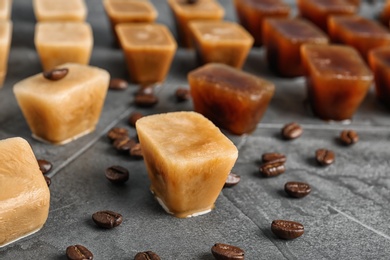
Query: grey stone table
x=345 y=217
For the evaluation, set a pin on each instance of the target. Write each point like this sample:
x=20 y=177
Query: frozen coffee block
x=359 y=32
x=5 y=43
x=63 y=110
x=24 y=194
x=252 y=13
x=221 y=42
x=61 y=42
x=318 y=11
x=149 y=50
x=232 y=99
x=5 y=9
x=384 y=16
x=129 y=11
x=185 y=11
x=380 y=65
x=283 y=38
x=337 y=80
x=188 y=160
x=60 y=10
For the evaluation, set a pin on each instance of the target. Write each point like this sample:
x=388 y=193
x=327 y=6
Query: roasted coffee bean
x=145 y=100
x=78 y=252
x=44 y=166
x=107 y=219
x=124 y=144
x=227 y=252
x=48 y=181
x=348 y=137
x=117 y=132
x=136 y=151
x=148 y=255
x=146 y=90
x=286 y=229
x=325 y=157
x=118 y=84
x=273 y=157
x=271 y=169
x=297 y=189
x=182 y=94
x=56 y=74
x=134 y=117
x=232 y=180
x=292 y=131
x=117 y=174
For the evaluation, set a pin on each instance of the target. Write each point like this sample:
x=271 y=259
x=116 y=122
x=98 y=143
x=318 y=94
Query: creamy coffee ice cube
x=221 y=41
x=232 y=99
x=24 y=194
x=5 y=10
x=149 y=50
x=62 y=42
x=5 y=43
x=63 y=110
x=188 y=160
x=60 y=10
x=185 y=11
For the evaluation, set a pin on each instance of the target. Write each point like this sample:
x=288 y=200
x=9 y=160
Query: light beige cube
x=61 y=111
x=62 y=42
x=5 y=43
x=5 y=10
x=60 y=10
x=149 y=50
x=24 y=194
x=188 y=160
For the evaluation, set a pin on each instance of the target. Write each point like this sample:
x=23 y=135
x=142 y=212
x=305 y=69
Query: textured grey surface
x=345 y=217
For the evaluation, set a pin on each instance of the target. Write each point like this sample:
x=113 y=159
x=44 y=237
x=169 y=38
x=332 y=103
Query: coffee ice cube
x=5 y=43
x=188 y=160
x=232 y=99
x=60 y=11
x=24 y=194
x=379 y=60
x=63 y=110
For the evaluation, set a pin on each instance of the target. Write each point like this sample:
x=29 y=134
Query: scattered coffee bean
x=148 y=255
x=146 y=90
x=117 y=174
x=136 y=151
x=107 y=219
x=273 y=157
x=48 y=181
x=297 y=189
x=348 y=137
x=147 y=100
x=124 y=144
x=232 y=180
x=325 y=157
x=272 y=169
x=182 y=94
x=56 y=74
x=117 y=132
x=78 y=252
x=118 y=84
x=44 y=166
x=134 y=117
x=227 y=252
x=287 y=229
x=292 y=131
